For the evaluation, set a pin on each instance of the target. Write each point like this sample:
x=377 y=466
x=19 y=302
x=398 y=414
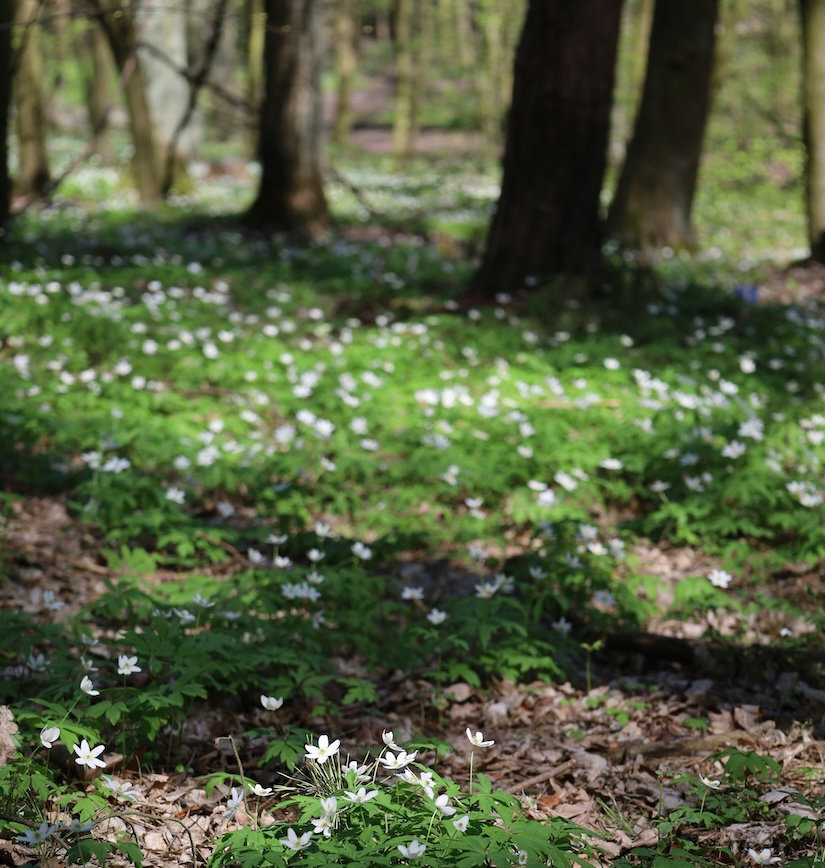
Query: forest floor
x=607 y=749
x=610 y=758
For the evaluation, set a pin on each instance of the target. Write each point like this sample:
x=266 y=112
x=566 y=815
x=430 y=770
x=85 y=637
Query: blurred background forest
x=412 y=84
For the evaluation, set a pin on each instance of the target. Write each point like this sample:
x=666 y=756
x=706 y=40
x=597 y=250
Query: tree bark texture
x=654 y=197
x=118 y=25
x=291 y=193
x=813 y=83
x=547 y=219
x=32 y=123
x=7 y=13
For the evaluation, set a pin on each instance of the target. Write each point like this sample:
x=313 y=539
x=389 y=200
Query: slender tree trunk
x=99 y=91
x=291 y=193
x=203 y=18
x=7 y=15
x=346 y=65
x=654 y=197
x=491 y=22
x=255 y=68
x=447 y=33
x=462 y=11
x=641 y=44
x=547 y=219
x=732 y=12
x=163 y=32
x=118 y=25
x=813 y=83
x=32 y=124
x=403 y=130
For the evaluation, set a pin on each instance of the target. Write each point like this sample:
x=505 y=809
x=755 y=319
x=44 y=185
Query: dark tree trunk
x=291 y=193
x=547 y=219
x=6 y=22
x=654 y=198
x=813 y=84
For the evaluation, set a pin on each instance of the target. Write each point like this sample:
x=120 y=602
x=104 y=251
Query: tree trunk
x=291 y=193
x=212 y=26
x=491 y=22
x=6 y=22
x=547 y=219
x=641 y=44
x=163 y=33
x=813 y=83
x=99 y=92
x=118 y=25
x=255 y=66
x=346 y=64
x=32 y=124
x=448 y=41
x=731 y=13
x=403 y=129
x=654 y=197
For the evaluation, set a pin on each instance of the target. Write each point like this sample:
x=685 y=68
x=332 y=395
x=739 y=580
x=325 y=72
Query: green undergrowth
x=288 y=454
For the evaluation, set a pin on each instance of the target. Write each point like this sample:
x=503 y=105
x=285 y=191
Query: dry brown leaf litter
x=606 y=760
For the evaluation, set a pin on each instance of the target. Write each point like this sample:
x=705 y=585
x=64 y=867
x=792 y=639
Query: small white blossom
x=127 y=665
x=293 y=842
x=412 y=850
x=48 y=736
x=271 y=703
x=460 y=823
x=87 y=686
x=323 y=750
x=720 y=578
x=392 y=762
x=33 y=837
x=89 y=756
x=763 y=857
x=477 y=739
x=361 y=551
x=122 y=789
x=361 y=796
x=442 y=803
x=175 y=495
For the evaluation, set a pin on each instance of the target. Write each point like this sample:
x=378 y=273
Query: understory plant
x=390 y=809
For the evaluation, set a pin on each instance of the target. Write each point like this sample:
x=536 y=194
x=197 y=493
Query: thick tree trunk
x=654 y=197
x=118 y=25
x=547 y=219
x=6 y=22
x=291 y=193
x=346 y=64
x=32 y=124
x=813 y=83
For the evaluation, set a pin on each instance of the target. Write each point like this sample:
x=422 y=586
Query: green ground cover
x=321 y=413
